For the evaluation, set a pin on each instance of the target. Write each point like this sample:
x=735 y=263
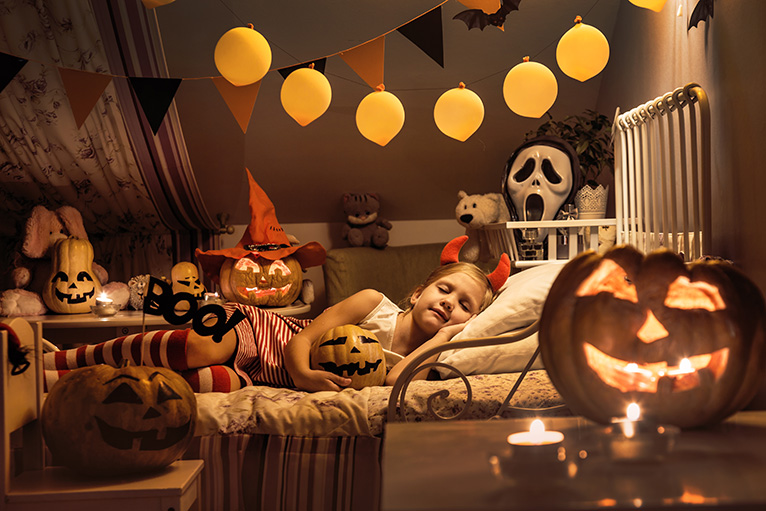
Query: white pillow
x=518 y=305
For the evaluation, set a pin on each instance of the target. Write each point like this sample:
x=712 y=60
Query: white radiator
x=662 y=173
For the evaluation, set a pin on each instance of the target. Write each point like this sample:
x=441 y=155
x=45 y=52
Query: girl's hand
x=451 y=331
x=315 y=380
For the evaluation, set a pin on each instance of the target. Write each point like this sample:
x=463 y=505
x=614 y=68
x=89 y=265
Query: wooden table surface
x=446 y=466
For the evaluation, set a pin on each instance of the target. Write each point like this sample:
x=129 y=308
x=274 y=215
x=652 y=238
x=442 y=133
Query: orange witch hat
x=264 y=237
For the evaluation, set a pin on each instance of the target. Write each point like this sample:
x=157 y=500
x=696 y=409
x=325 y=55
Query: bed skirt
x=274 y=473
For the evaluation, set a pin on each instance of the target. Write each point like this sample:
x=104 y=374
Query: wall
x=328 y=234
x=654 y=53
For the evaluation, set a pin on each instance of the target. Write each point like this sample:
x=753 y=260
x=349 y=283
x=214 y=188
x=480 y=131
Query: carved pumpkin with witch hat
x=263 y=269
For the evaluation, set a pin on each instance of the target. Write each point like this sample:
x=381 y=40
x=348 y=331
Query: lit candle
x=103 y=299
x=537 y=435
x=631 y=438
x=535 y=453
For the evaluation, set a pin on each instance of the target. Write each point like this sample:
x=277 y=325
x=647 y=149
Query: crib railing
x=662 y=173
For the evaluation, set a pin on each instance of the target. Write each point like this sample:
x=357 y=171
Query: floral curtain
x=136 y=192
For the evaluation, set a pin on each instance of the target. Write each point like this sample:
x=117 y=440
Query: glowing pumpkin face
x=106 y=420
x=352 y=352
x=686 y=342
x=254 y=280
x=72 y=286
x=185 y=278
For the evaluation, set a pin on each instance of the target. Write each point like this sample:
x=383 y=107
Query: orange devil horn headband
x=496 y=279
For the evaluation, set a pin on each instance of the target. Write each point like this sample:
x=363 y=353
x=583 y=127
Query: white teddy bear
x=476 y=211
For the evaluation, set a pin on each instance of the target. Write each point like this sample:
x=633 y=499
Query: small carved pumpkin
x=684 y=341
x=254 y=280
x=104 y=420
x=185 y=278
x=72 y=287
x=352 y=352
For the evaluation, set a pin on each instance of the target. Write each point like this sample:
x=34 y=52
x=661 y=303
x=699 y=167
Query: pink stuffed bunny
x=32 y=265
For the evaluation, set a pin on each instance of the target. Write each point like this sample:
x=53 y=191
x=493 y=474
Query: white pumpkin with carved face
x=255 y=280
x=72 y=287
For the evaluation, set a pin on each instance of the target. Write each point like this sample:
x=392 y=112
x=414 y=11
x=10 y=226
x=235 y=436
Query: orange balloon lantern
x=459 y=112
x=242 y=56
x=654 y=5
x=380 y=116
x=530 y=89
x=488 y=6
x=306 y=94
x=583 y=51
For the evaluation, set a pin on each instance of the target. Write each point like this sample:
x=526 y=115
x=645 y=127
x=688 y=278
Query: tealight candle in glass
x=532 y=453
x=104 y=307
x=632 y=438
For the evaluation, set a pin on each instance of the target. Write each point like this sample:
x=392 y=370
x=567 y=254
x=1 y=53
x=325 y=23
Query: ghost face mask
x=538 y=181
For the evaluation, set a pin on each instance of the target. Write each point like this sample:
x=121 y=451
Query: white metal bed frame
x=662 y=199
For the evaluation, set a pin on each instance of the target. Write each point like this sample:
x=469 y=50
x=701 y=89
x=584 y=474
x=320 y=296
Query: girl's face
x=450 y=300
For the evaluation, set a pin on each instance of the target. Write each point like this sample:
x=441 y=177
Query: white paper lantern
x=380 y=116
x=530 y=89
x=306 y=95
x=582 y=52
x=459 y=112
x=242 y=56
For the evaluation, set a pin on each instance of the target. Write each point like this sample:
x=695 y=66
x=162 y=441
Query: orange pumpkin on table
x=686 y=342
x=104 y=420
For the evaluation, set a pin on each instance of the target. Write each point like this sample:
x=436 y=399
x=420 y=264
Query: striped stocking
x=159 y=348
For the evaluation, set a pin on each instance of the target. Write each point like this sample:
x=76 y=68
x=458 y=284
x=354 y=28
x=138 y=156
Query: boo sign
x=159 y=300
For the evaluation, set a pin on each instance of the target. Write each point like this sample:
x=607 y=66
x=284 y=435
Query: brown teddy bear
x=364 y=228
x=32 y=263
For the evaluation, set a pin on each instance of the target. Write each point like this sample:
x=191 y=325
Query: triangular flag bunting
x=240 y=100
x=155 y=96
x=318 y=65
x=367 y=60
x=83 y=90
x=426 y=33
x=9 y=68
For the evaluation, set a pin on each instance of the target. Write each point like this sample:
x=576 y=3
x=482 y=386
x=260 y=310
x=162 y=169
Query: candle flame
x=633 y=412
x=103 y=296
x=685 y=365
x=537 y=427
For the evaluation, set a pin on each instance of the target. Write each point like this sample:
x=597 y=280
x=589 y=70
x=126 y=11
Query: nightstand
x=445 y=465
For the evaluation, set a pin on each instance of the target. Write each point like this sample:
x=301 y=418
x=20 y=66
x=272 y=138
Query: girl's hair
x=469 y=269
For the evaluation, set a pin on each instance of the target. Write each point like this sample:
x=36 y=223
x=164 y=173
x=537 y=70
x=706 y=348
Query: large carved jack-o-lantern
x=103 y=420
x=72 y=287
x=352 y=352
x=686 y=342
x=255 y=280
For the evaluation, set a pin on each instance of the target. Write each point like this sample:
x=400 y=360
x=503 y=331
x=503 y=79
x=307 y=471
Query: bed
x=276 y=449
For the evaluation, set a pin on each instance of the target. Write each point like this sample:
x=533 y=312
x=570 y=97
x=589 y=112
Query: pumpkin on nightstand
x=73 y=286
x=103 y=420
x=685 y=341
x=352 y=352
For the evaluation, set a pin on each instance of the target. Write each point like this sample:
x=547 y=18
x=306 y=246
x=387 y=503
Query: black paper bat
x=476 y=18
x=701 y=12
